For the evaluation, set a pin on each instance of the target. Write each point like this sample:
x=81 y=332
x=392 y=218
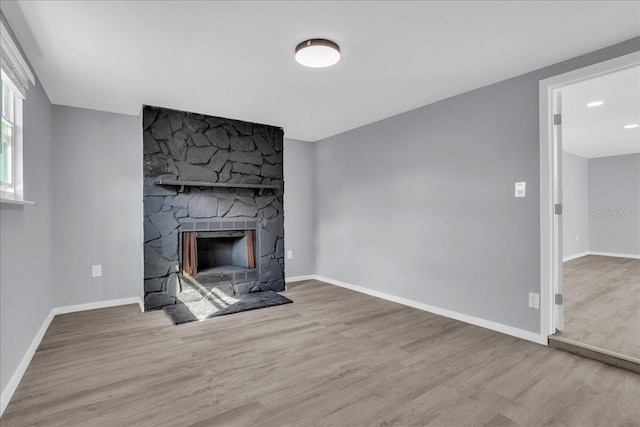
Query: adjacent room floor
x=333 y=357
x=602 y=303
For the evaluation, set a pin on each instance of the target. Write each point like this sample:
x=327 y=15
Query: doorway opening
x=590 y=230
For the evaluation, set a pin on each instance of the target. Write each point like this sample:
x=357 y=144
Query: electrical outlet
x=521 y=189
x=96 y=270
x=534 y=300
x=289 y=254
x=577 y=238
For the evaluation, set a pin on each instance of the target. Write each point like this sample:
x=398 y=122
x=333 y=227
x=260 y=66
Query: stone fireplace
x=214 y=187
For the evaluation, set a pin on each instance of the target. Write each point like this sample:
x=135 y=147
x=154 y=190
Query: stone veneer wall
x=193 y=147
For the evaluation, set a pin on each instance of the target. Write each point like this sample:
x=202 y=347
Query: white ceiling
x=599 y=131
x=235 y=59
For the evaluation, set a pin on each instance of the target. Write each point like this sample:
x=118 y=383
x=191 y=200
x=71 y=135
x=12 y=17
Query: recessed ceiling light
x=631 y=126
x=317 y=53
x=595 y=104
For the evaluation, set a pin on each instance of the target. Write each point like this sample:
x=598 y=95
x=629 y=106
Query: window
x=6 y=150
x=16 y=76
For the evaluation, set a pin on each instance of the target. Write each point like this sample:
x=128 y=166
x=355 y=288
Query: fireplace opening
x=210 y=252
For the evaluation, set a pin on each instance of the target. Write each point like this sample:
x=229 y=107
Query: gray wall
x=614 y=185
x=421 y=205
x=299 y=205
x=97 y=210
x=575 y=204
x=26 y=285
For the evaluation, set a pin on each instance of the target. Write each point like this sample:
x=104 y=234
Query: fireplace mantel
x=183 y=184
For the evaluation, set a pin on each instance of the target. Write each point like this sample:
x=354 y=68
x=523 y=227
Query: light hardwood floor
x=333 y=357
x=602 y=303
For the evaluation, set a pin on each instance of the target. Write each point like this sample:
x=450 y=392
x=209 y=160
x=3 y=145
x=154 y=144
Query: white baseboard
x=299 y=278
x=488 y=324
x=575 y=256
x=95 y=305
x=11 y=387
x=615 y=255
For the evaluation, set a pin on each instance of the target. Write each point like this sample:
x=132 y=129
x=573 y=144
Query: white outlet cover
x=521 y=189
x=96 y=270
x=289 y=254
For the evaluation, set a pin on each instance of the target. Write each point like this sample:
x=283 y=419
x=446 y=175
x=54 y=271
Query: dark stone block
x=189 y=172
x=247 y=200
x=164 y=222
x=200 y=155
x=218 y=160
x=172 y=285
x=149 y=116
x=177 y=148
x=262 y=144
x=152 y=205
x=157 y=300
x=150 y=231
x=163 y=148
x=280 y=248
x=271 y=171
x=270 y=270
x=276 y=159
x=161 y=128
x=246 y=168
x=225 y=288
x=203 y=206
x=277 y=286
x=243 y=127
x=155 y=265
x=276 y=204
x=264 y=201
x=176 y=122
x=192 y=124
x=224 y=206
x=275 y=226
x=269 y=212
x=153 y=285
x=181 y=200
x=241 y=143
x=240 y=178
x=231 y=130
x=225 y=174
x=218 y=137
x=149 y=144
x=267 y=244
x=200 y=140
x=252 y=157
x=171 y=167
x=170 y=245
x=214 y=121
x=243 y=288
x=241 y=209
x=155 y=164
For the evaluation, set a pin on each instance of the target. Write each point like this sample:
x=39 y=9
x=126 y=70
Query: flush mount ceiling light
x=317 y=53
x=631 y=126
x=595 y=104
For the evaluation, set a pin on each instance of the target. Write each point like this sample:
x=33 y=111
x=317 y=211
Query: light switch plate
x=521 y=189
x=534 y=300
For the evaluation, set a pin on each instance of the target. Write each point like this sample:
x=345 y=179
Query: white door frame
x=550 y=193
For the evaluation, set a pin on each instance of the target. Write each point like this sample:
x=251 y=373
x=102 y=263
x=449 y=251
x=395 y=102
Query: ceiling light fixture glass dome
x=317 y=53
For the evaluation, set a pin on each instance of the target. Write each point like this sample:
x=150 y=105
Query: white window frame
x=15 y=73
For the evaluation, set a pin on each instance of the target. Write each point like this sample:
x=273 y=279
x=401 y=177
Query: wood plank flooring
x=333 y=357
x=602 y=303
